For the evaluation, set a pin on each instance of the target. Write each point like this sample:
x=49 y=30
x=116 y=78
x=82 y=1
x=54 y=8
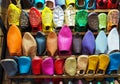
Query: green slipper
x=81 y=21
x=102 y=17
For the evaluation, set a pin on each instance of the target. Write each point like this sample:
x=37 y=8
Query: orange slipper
x=14 y=41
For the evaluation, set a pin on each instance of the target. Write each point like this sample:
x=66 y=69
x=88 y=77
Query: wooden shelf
x=64 y=76
x=95 y=10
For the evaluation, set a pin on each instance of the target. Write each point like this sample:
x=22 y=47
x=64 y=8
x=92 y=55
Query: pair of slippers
x=85 y=4
x=104 y=4
x=16 y=64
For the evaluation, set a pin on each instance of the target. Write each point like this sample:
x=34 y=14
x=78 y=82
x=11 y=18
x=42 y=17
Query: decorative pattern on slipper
x=47 y=18
x=13 y=15
x=14 y=41
x=113 y=19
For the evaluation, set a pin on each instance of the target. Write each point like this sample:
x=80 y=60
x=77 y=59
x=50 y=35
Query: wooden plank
x=64 y=76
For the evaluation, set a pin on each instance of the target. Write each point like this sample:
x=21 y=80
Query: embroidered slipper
x=113 y=40
x=70 y=2
x=26 y=4
x=112 y=4
x=59 y=66
x=103 y=64
x=88 y=43
x=48 y=66
x=14 y=41
x=29 y=45
x=70 y=16
x=58 y=17
x=37 y=65
x=80 y=4
x=101 y=4
x=93 y=21
x=50 y=4
x=114 y=63
x=39 y=4
x=47 y=17
x=113 y=19
x=92 y=66
x=10 y=66
x=51 y=43
x=65 y=41
x=82 y=62
x=24 y=63
x=24 y=22
x=90 y=4
x=41 y=43
x=13 y=15
x=77 y=44
x=35 y=19
x=102 y=17
x=70 y=66
x=60 y=3
x=81 y=21
x=101 y=43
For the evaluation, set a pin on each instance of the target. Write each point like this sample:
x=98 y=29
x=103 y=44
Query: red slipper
x=59 y=64
x=101 y=4
x=35 y=19
x=112 y=4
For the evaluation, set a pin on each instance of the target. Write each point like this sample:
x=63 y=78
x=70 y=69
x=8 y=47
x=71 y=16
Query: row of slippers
x=83 y=65
x=48 y=20
x=65 y=43
x=78 y=4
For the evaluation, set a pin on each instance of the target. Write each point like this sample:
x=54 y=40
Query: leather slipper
x=13 y=15
x=113 y=19
x=14 y=41
x=10 y=66
x=29 y=45
x=48 y=66
x=70 y=66
x=58 y=17
x=24 y=64
x=41 y=43
x=65 y=41
x=47 y=18
x=51 y=43
x=82 y=63
x=102 y=17
x=35 y=19
x=70 y=16
x=37 y=65
x=101 y=43
x=93 y=21
x=88 y=43
x=77 y=44
x=24 y=22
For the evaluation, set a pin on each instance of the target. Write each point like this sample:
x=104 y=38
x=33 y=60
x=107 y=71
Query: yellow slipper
x=92 y=66
x=47 y=17
x=14 y=41
x=13 y=15
x=103 y=64
x=70 y=2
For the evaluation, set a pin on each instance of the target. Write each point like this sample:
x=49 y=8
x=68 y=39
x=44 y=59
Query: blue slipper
x=88 y=43
x=10 y=66
x=101 y=43
x=24 y=63
x=114 y=62
x=39 y=4
x=90 y=4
